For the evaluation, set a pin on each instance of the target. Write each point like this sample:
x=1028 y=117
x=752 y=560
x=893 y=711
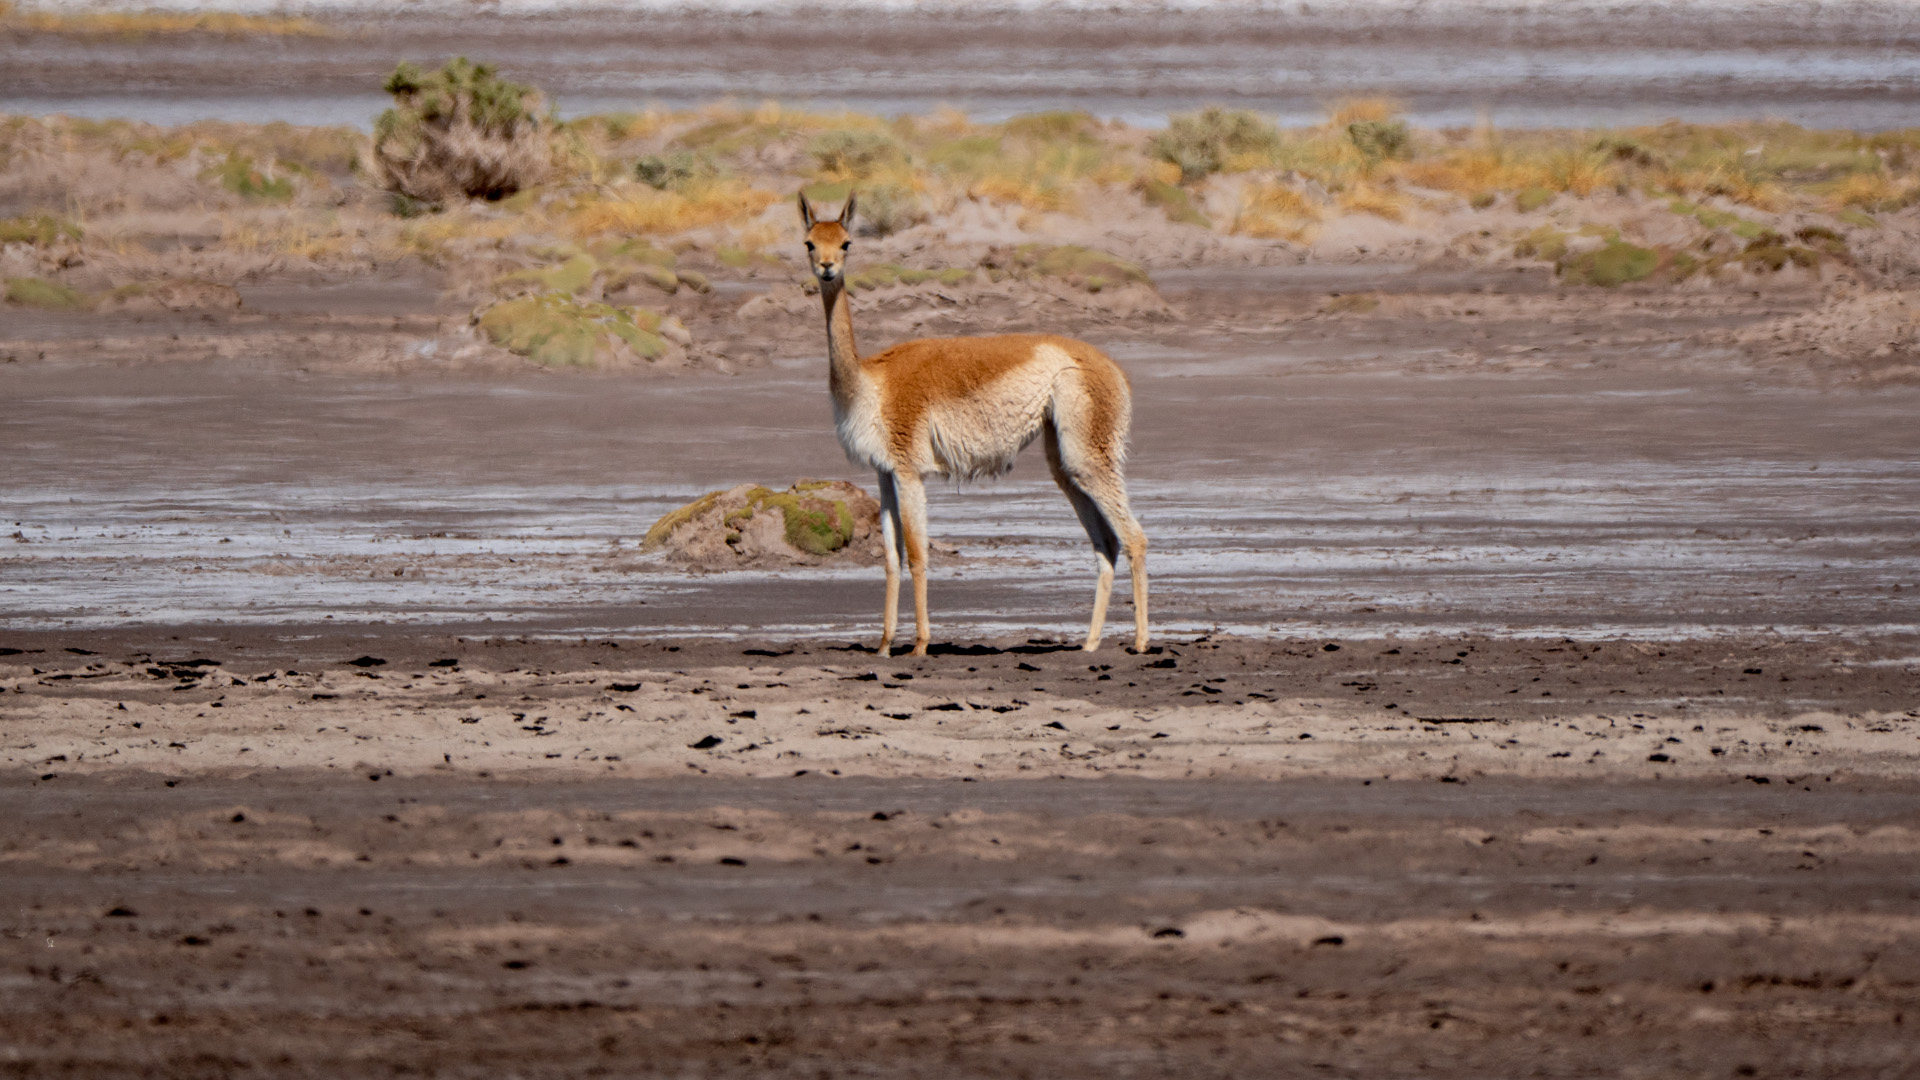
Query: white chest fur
x=862 y=430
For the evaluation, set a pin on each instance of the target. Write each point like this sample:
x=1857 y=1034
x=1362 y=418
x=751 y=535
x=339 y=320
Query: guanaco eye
x=848 y=246
x=809 y=245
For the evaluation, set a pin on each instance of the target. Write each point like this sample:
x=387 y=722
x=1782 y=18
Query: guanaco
x=964 y=408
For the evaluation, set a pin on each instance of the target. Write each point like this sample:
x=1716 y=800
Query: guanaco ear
x=806 y=211
x=846 y=213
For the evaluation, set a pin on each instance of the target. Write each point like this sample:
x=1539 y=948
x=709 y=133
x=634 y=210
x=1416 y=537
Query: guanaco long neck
x=843 y=360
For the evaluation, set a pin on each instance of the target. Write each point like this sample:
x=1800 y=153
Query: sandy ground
x=1225 y=857
x=1535 y=687
x=341 y=737
x=344 y=733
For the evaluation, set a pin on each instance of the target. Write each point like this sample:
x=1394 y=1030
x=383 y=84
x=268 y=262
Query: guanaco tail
x=964 y=408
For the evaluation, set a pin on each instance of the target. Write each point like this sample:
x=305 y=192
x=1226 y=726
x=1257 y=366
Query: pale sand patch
x=776 y=721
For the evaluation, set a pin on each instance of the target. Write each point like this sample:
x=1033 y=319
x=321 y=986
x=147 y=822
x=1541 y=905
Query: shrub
x=855 y=155
x=1381 y=140
x=1213 y=140
x=1545 y=242
x=240 y=175
x=460 y=131
x=674 y=171
x=1628 y=150
x=886 y=209
x=1774 y=254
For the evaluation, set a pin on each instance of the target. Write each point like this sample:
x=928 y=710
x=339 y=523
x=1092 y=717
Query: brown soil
x=441 y=849
x=562 y=859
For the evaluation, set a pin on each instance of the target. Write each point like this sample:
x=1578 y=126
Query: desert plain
x=1535 y=682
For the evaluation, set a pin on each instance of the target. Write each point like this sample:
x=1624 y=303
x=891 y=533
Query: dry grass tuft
x=1079 y=266
x=1381 y=202
x=1273 y=211
x=1877 y=192
x=1363 y=110
x=636 y=209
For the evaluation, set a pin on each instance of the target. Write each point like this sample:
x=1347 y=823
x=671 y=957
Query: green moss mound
x=40 y=230
x=1616 y=263
x=817 y=518
x=556 y=330
x=1175 y=202
x=40 y=293
x=814 y=525
x=673 y=519
x=570 y=276
x=1531 y=199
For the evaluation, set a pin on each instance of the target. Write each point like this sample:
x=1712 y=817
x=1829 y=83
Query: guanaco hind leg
x=1100 y=502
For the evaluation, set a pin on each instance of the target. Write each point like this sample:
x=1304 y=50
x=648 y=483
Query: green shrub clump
x=1213 y=139
x=815 y=525
x=1174 y=201
x=855 y=154
x=674 y=171
x=1531 y=199
x=460 y=131
x=1381 y=140
x=40 y=230
x=242 y=176
x=556 y=330
x=41 y=293
x=1615 y=263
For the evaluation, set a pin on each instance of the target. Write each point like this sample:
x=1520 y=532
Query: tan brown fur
x=964 y=407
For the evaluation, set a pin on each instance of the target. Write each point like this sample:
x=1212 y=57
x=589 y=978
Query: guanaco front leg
x=913 y=521
x=890 y=535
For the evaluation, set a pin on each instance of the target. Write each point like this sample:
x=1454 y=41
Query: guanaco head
x=827 y=241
